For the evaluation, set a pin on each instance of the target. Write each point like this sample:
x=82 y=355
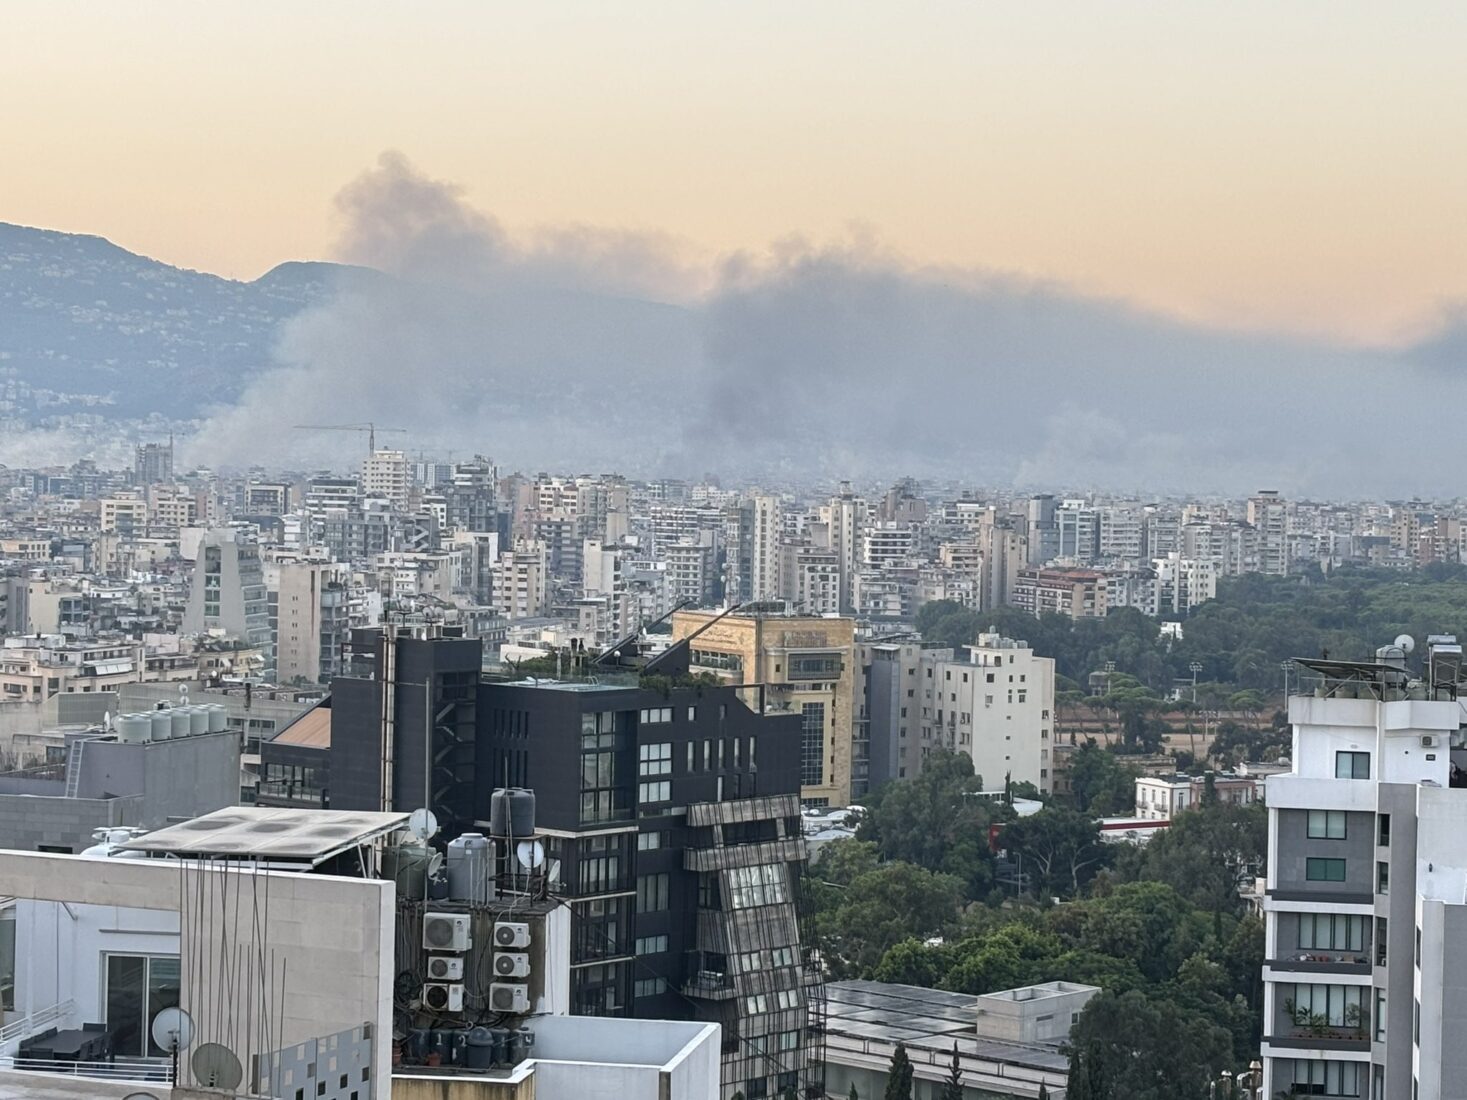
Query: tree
x=1133 y=1047
x=1062 y=847
x=1100 y=782
x=880 y=908
x=899 y=1075
x=854 y=1094
x=952 y=1088
x=1043 y=1091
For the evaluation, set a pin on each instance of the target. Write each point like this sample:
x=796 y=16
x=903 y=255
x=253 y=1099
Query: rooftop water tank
x=218 y=717
x=179 y=716
x=161 y=723
x=198 y=720
x=471 y=868
x=512 y=812
x=132 y=728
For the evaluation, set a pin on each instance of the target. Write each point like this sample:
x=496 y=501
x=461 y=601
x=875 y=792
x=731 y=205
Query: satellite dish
x=140 y=1096
x=173 y=1029
x=435 y=863
x=530 y=853
x=1406 y=642
x=216 y=1067
x=423 y=825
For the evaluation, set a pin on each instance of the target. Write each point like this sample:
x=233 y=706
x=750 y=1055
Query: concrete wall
x=28 y=821
x=333 y=937
x=1295 y=847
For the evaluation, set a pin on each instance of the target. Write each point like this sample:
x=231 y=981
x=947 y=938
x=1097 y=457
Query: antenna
x=423 y=825
x=1405 y=642
x=216 y=1067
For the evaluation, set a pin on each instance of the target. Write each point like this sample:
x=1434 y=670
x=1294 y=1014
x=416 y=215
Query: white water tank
x=162 y=724
x=198 y=720
x=218 y=717
x=179 y=716
x=133 y=728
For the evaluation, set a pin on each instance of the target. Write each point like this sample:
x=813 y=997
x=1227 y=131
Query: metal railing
x=38 y=1020
x=151 y=1070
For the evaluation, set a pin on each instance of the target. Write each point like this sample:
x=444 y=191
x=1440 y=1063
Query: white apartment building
x=385 y=474
x=519 y=581
x=1162 y=797
x=810 y=579
x=996 y=705
x=764 y=563
x=1366 y=894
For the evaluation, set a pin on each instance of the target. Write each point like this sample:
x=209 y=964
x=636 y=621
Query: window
x=787 y=998
x=1380 y=941
x=651 y=945
x=812 y=745
x=650 y=842
x=1352 y=765
x=1382 y=877
x=1319 y=1078
x=1336 y=1005
x=1380 y=1015
x=789 y=1040
x=762 y=884
x=756 y=1004
x=1332 y=932
x=782 y=956
x=655 y=716
x=138 y=988
x=649 y=987
x=1324 y=870
x=1385 y=830
x=748 y=962
x=651 y=893
x=654 y=759
x=657 y=791
x=1326 y=825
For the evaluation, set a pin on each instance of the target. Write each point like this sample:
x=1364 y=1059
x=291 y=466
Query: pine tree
x=899 y=1076
x=952 y=1088
x=854 y=1094
x=1043 y=1091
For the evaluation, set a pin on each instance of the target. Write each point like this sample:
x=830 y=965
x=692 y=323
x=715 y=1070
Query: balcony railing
x=1318 y=961
x=150 y=1070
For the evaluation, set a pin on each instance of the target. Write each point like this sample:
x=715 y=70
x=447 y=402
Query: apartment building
x=806 y=665
x=1077 y=593
x=996 y=704
x=1365 y=910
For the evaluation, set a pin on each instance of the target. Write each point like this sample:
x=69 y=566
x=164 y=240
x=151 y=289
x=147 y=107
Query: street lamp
x=1196 y=667
x=1286 y=665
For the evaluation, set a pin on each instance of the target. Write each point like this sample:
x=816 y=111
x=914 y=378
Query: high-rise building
x=312 y=621
x=764 y=563
x=1268 y=513
x=805 y=665
x=228 y=594
x=153 y=463
x=1366 y=894
x=385 y=474
x=995 y=704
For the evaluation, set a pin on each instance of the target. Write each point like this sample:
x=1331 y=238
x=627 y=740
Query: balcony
x=789 y=850
x=713 y=985
x=1319 y=961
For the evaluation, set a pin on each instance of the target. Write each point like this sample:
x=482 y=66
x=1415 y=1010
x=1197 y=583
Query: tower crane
x=370 y=428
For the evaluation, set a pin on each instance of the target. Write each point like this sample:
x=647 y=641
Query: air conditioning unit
x=1428 y=742
x=508 y=933
x=445 y=968
x=446 y=932
x=443 y=997
x=508 y=997
x=511 y=964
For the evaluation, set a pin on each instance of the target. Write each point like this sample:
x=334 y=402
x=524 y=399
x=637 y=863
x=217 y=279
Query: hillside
x=88 y=326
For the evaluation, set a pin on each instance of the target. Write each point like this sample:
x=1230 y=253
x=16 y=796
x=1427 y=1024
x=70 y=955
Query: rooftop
x=928 y=1019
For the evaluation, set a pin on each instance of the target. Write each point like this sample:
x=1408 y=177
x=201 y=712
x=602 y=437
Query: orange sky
x=1295 y=166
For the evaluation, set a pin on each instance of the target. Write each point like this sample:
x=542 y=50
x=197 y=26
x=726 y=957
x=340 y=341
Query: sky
x=1296 y=169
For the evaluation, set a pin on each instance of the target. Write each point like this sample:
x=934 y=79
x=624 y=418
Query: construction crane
x=370 y=428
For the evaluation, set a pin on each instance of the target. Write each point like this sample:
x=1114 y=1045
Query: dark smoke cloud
x=577 y=348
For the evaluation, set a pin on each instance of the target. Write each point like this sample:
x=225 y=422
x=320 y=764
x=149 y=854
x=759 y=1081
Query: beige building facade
x=806 y=665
